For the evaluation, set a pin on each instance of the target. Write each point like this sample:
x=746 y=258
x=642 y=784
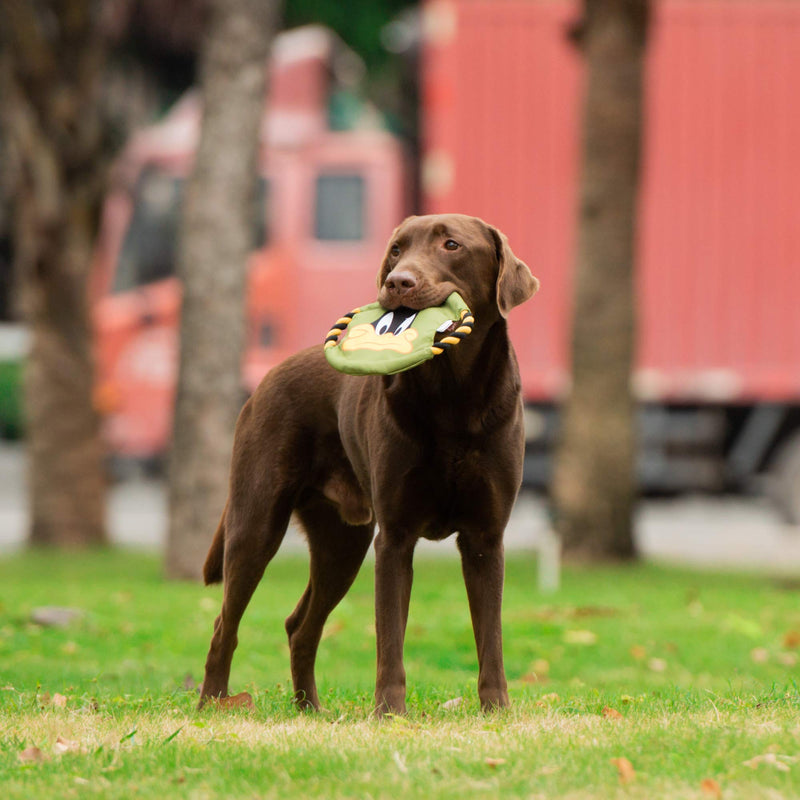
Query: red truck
x=718 y=265
x=328 y=198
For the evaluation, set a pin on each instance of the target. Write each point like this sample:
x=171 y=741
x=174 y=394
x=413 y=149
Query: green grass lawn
x=689 y=677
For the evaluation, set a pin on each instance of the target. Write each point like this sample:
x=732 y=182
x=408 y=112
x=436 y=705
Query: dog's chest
x=434 y=468
x=451 y=488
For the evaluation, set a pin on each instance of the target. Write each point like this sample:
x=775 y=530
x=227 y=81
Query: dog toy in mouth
x=372 y=340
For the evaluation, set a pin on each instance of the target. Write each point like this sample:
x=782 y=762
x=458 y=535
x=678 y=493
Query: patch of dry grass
x=527 y=751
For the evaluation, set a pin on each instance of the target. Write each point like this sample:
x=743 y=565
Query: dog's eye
x=395 y=250
x=451 y=244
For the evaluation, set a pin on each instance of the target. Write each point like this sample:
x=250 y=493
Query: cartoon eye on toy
x=384 y=323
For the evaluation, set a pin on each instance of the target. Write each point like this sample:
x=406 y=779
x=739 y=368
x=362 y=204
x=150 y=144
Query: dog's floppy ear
x=515 y=284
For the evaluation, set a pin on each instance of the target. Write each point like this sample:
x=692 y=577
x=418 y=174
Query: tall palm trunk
x=594 y=480
x=216 y=238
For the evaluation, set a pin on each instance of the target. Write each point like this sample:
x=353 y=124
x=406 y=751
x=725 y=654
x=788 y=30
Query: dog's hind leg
x=337 y=551
x=252 y=537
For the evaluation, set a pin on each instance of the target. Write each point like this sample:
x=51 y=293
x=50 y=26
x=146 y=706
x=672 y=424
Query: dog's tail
x=212 y=569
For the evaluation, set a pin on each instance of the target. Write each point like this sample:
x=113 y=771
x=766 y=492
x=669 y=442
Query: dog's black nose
x=400 y=281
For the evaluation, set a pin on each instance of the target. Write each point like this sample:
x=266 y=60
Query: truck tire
x=784 y=479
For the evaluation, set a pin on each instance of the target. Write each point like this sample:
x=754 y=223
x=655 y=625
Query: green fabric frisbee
x=372 y=340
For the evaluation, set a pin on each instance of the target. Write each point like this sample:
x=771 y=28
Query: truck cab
x=329 y=192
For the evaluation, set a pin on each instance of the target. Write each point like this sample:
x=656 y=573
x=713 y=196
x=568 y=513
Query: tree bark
x=51 y=70
x=594 y=479
x=216 y=238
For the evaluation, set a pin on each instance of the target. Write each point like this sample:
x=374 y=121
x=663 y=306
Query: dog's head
x=430 y=257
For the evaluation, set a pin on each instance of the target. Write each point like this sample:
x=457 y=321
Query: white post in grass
x=549 y=560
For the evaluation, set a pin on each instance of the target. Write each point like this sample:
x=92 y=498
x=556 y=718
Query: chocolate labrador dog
x=424 y=453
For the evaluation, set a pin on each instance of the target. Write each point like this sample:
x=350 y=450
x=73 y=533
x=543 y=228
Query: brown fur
x=425 y=453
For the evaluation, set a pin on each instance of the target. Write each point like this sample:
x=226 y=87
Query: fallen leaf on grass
x=454 y=703
x=31 y=755
x=54 y=616
x=595 y=611
x=772 y=760
x=537 y=672
x=710 y=788
x=547 y=699
x=494 y=762
x=625 y=769
x=332 y=629
x=241 y=700
x=541 y=666
x=548 y=769
x=580 y=637
x=791 y=640
x=402 y=722
x=63 y=745
x=611 y=713
x=579 y=612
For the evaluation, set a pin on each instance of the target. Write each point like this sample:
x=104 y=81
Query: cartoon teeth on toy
x=372 y=340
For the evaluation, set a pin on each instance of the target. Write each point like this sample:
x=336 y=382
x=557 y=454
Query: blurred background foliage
x=162 y=38
x=358 y=22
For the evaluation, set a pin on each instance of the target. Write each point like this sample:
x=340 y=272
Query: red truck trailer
x=718 y=252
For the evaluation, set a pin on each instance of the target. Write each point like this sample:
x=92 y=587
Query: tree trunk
x=216 y=238
x=51 y=71
x=594 y=480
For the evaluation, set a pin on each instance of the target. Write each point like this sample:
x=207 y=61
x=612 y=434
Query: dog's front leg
x=393 y=577
x=482 y=563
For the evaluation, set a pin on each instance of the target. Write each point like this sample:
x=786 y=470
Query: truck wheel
x=784 y=479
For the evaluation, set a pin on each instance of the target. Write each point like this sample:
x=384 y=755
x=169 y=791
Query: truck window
x=149 y=251
x=261 y=211
x=339 y=212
